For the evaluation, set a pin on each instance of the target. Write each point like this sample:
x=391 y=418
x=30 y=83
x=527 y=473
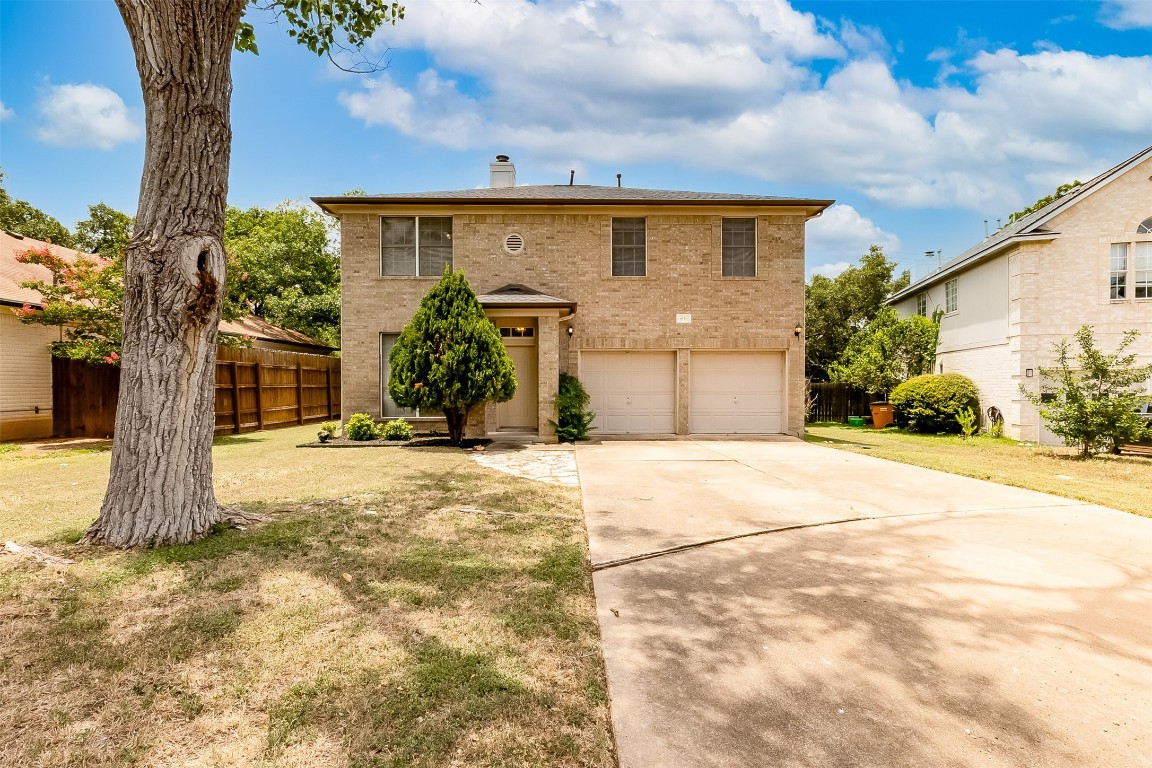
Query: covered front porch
x=530 y=324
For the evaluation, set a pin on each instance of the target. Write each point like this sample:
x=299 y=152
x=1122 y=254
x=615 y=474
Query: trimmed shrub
x=572 y=419
x=933 y=402
x=397 y=429
x=361 y=426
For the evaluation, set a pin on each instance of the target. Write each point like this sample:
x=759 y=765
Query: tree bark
x=160 y=488
x=457 y=419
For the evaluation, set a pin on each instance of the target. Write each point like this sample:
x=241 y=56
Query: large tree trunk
x=160 y=489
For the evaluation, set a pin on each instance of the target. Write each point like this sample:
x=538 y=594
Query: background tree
x=285 y=267
x=1095 y=401
x=887 y=352
x=1045 y=201
x=84 y=299
x=836 y=309
x=23 y=218
x=160 y=484
x=450 y=358
x=106 y=231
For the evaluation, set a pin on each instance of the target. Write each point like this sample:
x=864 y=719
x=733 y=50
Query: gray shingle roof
x=516 y=295
x=568 y=193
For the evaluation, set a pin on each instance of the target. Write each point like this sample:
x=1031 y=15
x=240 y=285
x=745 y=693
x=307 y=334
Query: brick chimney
x=501 y=173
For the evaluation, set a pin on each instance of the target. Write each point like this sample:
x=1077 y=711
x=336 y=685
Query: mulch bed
x=419 y=441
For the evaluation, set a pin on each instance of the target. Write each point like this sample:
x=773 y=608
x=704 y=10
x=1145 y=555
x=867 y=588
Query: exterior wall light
x=798 y=330
x=571 y=331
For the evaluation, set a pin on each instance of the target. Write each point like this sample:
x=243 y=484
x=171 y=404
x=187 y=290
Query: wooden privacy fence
x=255 y=389
x=267 y=389
x=836 y=402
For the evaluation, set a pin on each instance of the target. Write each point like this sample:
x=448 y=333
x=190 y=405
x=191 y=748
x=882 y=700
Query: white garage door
x=631 y=392
x=736 y=393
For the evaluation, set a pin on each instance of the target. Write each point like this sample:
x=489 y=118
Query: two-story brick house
x=681 y=312
x=1086 y=258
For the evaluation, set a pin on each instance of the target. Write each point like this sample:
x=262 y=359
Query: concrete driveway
x=902 y=617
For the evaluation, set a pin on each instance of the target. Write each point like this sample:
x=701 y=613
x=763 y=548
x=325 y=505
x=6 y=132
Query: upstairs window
x=738 y=248
x=1118 y=274
x=951 y=297
x=922 y=305
x=1145 y=227
x=1142 y=277
x=416 y=246
x=629 y=249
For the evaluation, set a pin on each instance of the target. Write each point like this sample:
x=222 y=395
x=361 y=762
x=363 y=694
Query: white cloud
x=829 y=270
x=841 y=233
x=1127 y=14
x=5 y=113
x=730 y=85
x=85 y=115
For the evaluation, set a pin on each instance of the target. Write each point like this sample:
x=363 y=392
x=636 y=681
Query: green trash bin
x=855 y=421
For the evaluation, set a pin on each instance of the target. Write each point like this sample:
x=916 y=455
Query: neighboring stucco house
x=1086 y=258
x=681 y=312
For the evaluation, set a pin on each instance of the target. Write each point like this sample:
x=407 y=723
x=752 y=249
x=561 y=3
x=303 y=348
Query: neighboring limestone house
x=1086 y=258
x=681 y=312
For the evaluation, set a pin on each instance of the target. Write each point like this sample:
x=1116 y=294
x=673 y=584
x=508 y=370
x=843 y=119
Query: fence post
x=299 y=391
x=259 y=394
x=235 y=396
x=328 y=388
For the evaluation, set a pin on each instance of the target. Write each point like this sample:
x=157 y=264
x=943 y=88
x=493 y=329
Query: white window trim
x=955 y=282
x=416 y=221
x=1130 y=269
x=612 y=246
x=922 y=304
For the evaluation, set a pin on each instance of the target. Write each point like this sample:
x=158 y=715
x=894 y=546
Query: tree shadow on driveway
x=973 y=640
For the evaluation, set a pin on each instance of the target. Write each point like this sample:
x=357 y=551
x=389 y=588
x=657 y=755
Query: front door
x=520 y=412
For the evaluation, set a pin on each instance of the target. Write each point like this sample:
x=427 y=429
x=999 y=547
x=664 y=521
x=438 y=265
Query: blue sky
x=921 y=119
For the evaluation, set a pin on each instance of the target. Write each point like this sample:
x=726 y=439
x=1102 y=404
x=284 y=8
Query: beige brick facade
x=567 y=253
x=1055 y=280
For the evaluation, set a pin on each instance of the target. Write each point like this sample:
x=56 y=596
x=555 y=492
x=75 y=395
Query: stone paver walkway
x=544 y=463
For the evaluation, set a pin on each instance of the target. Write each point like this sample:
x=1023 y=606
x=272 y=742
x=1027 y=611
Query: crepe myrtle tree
x=160 y=484
x=450 y=358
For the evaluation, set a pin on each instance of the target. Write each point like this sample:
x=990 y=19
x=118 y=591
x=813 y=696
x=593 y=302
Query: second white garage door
x=631 y=392
x=736 y=393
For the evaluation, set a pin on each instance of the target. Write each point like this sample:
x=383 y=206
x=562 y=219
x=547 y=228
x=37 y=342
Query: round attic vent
x=514 y=243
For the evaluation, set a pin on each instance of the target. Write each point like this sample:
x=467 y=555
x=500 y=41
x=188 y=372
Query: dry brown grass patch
x=387 y=629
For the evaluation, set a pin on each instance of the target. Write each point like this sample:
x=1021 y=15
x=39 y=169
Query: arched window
x=1145 y=227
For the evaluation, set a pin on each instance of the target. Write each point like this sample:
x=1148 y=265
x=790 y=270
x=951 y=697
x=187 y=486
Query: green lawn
x=371 y=623
x=1121 y=482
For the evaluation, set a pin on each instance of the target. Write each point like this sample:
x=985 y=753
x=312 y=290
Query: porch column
x=547 y=373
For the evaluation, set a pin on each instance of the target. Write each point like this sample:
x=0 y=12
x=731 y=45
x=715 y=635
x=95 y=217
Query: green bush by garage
x=931 y=403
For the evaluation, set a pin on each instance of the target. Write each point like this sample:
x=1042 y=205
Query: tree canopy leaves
x=1045 y=201
x=25 y=219
x=106 y=231
x=836 y=309
x=888 y=352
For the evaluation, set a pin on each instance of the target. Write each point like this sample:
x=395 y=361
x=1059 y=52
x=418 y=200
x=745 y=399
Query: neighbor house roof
x=1030 y=228
x=516 y=295
x=259 y=328
x=570 y=194
x=13 y=272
